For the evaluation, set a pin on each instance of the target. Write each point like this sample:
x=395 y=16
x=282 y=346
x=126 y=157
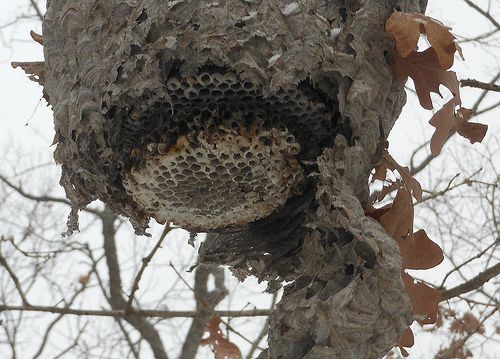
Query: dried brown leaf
x=398 y=221
x=386 y=190
x=473 y=131
x=380 y=173
x=444 y=122
x=406 y=340
x=472 y=324
x=457 y=326
x=425 y=70
x=424 y=299
x=376 y=213
x=418 y=251
x=410 y=183
x=222 y=347
x=406 y=29
x=84 y=279
x=442 y=41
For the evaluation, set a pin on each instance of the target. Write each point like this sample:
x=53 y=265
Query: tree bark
x=107 y=63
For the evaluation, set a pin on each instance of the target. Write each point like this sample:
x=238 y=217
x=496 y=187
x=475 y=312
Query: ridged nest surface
x=218 y=153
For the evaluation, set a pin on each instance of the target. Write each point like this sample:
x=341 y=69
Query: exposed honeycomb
x=217 y=178
x=217 y=152
x=220 y=97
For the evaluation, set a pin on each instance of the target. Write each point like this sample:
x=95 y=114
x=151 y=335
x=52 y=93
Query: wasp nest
x=217 y=178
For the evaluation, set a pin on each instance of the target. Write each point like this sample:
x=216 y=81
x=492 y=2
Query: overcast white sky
x=26 y=126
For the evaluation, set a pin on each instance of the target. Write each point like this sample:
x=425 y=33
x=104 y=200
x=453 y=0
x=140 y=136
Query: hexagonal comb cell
x=217 y=178
x=218 y=153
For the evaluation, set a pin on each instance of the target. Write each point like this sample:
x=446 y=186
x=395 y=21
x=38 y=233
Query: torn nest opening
x=216 y=152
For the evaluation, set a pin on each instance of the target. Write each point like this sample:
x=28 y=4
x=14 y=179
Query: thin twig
x=264 y=330
x=479 y=255
x=218 y=312
x=19 y=190
x=145 y=262
x=37 y=9
x=15 y=279
x=72 y=345
x=484 y=13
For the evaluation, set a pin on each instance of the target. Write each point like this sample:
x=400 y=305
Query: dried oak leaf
x=398 y=220
x=424 y=299
x=447 y=122
x=424 y=69
x=474 y=132
x=456 y=350
x=406 y=340
x=222 y=347
x=410 y=183
x=444 y=122
x=407 y=28
x=418 y=251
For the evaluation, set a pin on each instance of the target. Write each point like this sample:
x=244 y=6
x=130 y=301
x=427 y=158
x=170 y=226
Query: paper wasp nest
x=258 y=120
x=163 y=84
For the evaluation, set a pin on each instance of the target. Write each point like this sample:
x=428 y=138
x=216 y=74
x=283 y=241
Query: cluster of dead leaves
x=464 y=326
x=221 y=346
x=467 y=324
x=429 y=70
x=418 y=251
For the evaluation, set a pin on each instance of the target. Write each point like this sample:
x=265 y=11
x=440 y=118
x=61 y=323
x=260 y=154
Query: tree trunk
x=301 y=89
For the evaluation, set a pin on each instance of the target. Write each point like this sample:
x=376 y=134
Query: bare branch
x=116 y=300
x=15 y=279
x=144 y=313
x=126 y=335
x=478 y=255
x=472 y=284
x=484 y=13
x=457 y=344
x=480 y=85
x=224 y=322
